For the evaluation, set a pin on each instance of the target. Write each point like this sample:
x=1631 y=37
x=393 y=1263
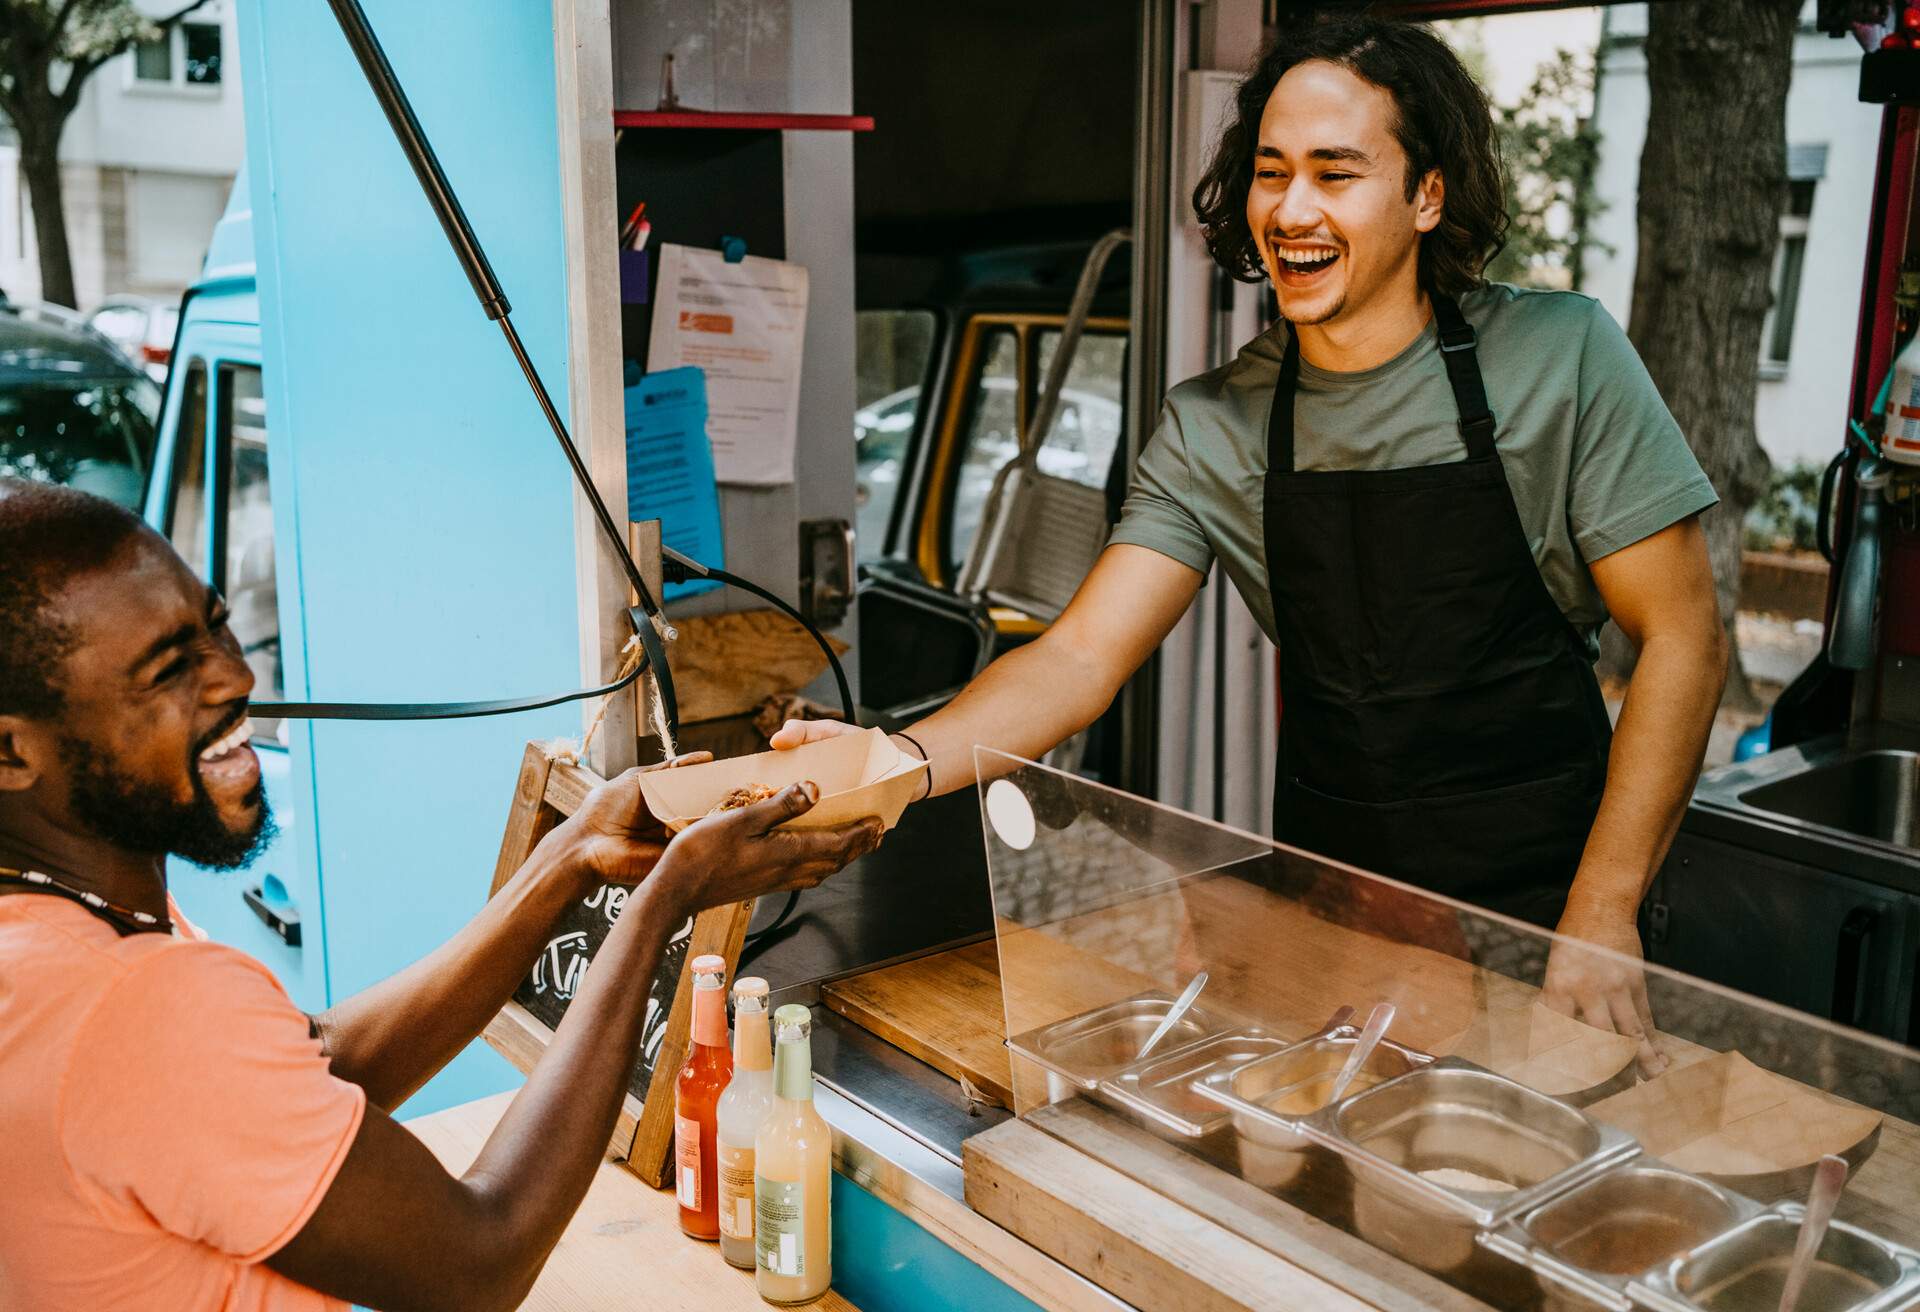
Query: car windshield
x=96 y=434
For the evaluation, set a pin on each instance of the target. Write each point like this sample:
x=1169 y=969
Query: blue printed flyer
x=670 y=469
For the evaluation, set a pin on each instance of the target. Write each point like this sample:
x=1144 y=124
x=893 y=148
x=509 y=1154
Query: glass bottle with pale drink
x=793 y=1173
x=743 y=1107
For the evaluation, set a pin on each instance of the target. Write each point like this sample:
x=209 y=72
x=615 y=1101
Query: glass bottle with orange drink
x=696 y=1098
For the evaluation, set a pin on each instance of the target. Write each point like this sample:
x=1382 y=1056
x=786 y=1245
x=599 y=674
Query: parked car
x=141 y=326
x=1085 y=431
x=73 y=409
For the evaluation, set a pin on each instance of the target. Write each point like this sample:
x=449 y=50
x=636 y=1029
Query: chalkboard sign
x=546 y=793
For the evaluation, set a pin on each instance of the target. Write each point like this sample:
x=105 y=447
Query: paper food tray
x=858 y=774
x=1546 y=1051
x=1739 y=1125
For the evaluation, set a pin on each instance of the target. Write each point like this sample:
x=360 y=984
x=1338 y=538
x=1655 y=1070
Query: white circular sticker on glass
x=1010 y=815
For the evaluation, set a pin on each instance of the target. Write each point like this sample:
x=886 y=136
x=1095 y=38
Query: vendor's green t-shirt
x=1593 y=457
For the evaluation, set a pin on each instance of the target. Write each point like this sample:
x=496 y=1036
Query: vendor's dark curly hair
x=1444 y=122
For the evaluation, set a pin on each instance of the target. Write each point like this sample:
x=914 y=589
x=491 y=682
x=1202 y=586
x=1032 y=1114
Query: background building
x=148 y=158
x=1807 y=346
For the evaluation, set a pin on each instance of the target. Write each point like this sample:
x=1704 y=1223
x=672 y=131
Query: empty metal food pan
x=1083 y=1050
x=1162 y=1089
x=1593 y=1240
x=1271 y=1099
x=1448 y=1150
x=1745 y=1268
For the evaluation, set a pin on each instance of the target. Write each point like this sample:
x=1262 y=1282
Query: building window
x=202 y=44
x=188 y=56
x=153 y=60
x=1805 y=166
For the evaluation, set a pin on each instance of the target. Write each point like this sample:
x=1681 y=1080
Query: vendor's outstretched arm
x=1660 y=592
x=1039 y=695
x=394 y=1036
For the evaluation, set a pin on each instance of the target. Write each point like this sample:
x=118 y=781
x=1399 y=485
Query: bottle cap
x=792 y=1022
x=750 y=993
x=709 y=971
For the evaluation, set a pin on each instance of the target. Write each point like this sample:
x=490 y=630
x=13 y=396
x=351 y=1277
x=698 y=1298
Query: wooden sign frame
x=546 y=793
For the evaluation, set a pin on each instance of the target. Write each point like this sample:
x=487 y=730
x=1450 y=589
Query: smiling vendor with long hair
x=1431 y=491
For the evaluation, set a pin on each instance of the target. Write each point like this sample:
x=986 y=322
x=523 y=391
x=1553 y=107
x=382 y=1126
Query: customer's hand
x=1606 y=989
x=613 y=838
x=740 y=854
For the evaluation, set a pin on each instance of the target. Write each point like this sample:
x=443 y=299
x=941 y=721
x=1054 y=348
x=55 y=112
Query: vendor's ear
x=1429 y=201
x=21 y=743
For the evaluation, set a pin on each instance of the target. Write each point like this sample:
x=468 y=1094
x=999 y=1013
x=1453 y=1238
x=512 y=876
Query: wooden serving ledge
x=623 y=1249
x=1051 y=1177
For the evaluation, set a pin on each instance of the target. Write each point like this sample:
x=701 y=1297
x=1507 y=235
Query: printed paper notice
x=743 y=325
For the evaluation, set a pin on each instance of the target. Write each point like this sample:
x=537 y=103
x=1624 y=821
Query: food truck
x=1083 y=1038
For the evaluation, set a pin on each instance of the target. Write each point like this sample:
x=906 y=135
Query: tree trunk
x=1712 y=185
x=40 y=167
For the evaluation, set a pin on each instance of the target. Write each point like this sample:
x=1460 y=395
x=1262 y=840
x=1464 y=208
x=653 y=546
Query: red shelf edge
x=702 y=118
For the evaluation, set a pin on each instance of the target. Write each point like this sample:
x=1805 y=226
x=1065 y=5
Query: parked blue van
x=211 y=495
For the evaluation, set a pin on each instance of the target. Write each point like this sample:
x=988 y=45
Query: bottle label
x=686 y=1154
x=736 y=1192
x=780 y=1227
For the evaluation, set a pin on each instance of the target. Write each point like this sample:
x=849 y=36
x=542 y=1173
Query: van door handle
x=277 y=911
x=1849 y=963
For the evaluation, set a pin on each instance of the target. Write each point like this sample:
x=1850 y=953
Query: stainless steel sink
x=1874 y=794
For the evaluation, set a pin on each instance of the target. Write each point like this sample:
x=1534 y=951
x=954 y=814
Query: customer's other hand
x=741 y=854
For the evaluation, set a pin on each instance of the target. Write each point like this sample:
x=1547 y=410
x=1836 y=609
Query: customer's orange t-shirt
x=169 y=1120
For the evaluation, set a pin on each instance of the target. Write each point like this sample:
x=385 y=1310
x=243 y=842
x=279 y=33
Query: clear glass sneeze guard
x=1513 y=1152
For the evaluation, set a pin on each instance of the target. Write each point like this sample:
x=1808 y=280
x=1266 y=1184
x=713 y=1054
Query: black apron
x=1440 y=721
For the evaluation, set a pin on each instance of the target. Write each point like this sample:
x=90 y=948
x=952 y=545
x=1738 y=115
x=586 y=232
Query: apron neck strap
x=1457 y=353
x=1457 y=341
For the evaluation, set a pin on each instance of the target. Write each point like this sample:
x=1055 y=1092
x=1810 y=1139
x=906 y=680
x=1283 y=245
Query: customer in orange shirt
x=178 y=1134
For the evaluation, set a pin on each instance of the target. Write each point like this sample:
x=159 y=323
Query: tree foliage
x=48 y=50
x=1550 y=146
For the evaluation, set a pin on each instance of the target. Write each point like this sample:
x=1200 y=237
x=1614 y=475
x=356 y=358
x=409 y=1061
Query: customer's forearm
x=393 y=1037
x=541 y=1157
x=1025 y=703
x=1657 y=750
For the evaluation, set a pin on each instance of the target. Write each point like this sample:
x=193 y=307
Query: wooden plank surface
x=945 y=1009
x=1127 y=1238
x=623 y=1250
x=1322 y=1250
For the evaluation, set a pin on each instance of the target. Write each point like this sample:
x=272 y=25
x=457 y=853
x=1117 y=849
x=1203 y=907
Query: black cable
x=430 y=710
x=679 y=569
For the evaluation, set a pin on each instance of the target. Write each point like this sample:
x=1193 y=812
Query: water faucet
x=1850 y=642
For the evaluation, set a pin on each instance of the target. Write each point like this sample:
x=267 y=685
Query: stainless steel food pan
x=1448 y=1150
x=1854 y=1271
x=1595 y=1239
x=1083 y=1050
x=1162 y=1089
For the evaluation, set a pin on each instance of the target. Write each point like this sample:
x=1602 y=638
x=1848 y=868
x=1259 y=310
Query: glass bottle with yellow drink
x=793 y=1173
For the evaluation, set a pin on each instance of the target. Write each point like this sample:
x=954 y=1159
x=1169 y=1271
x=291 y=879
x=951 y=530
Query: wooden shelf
x=703 y=118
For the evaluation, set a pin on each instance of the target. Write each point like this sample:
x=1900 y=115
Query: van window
x=1086 y=424
x=892 y=350
x=248 y=577
x=992 y=438
x=187 y=507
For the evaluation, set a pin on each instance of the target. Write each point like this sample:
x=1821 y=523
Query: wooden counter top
x=623 y=1250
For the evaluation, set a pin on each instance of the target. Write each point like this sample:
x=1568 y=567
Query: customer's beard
x=144 y=818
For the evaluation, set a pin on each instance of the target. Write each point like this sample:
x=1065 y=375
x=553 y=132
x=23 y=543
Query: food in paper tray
x=742 y=797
